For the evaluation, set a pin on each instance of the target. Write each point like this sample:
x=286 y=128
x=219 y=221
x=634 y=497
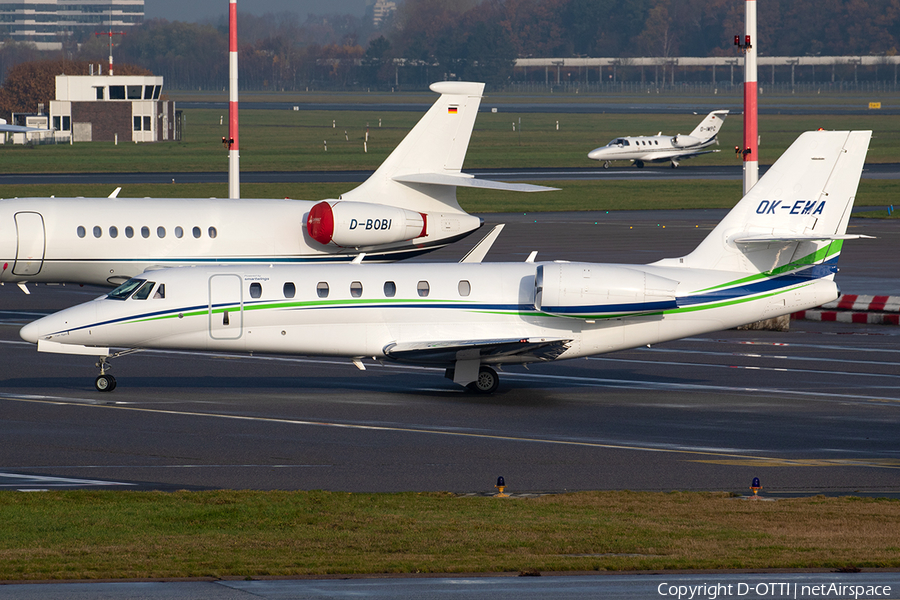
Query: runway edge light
x=501 y=484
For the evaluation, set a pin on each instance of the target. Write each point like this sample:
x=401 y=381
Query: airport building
x=121 y=108
x=48 y=23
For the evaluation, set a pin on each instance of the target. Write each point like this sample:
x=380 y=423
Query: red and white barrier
x=865 y=303
x=853 y=308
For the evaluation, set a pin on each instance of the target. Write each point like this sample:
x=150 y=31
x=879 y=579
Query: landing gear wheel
x=105 y=383
x=674 y=165
x=487 y=383
x=639 y=164
x=606 y=165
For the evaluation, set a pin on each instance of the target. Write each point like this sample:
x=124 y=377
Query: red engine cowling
x=359 y=224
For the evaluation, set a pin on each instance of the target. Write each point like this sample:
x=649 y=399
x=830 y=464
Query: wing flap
x=450 y=351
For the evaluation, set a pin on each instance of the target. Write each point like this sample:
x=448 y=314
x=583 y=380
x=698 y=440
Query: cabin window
x=160 y=232
x=179 y=232
x=144 y=291
x=656 y=142
x=97 y=231
x=423 y=288
x=145 y=232
x=322 y=289
x=196 y=231
x=390 y=289
x=290 y=290
x=129 y=232
x=113 y=231
x=212 y=232
x=160 y=292
x=356 y=289
x=255 y=289
x=126 y=289
x=464 y=287
x=81 y=231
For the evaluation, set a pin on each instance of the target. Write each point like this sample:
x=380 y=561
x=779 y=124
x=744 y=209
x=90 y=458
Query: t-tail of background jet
x=794 y=220
x=710 y=126
x=417 y=182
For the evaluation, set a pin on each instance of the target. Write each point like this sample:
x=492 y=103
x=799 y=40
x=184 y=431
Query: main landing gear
x=487 y=383
x=639 y=164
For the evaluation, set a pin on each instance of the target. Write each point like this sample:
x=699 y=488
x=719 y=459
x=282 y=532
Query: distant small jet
x=659 y=147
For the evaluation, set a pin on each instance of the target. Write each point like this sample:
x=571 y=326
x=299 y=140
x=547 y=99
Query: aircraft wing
x=448 y=352
x=657 y=157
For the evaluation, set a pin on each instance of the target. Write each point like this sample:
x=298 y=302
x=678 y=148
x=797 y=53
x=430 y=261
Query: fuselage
x=646 y=148
x=360 y=310
x=106 y=241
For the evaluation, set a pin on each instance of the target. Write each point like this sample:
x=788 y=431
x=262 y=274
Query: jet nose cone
x=32 y=331
x=596 y=153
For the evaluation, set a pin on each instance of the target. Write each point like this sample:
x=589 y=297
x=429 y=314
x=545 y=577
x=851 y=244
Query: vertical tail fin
x=437 y=145
x=709 y=127
x=796 y=215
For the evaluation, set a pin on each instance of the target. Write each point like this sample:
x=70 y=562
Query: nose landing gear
x=104 y=382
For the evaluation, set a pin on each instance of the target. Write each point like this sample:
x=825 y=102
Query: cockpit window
x=144 y=291
x=126 y=289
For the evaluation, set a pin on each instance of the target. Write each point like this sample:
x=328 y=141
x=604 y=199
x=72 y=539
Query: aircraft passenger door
x=30 y=243
x=226 y=307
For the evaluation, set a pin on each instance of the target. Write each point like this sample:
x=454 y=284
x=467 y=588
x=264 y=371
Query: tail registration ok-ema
x=775 y=253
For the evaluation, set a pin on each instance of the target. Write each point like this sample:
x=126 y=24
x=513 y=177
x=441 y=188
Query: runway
x=652 y=172
x=814 y=410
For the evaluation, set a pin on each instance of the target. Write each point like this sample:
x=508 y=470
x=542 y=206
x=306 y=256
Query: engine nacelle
x=359 y=224
x=683 y=141
x=588 y=290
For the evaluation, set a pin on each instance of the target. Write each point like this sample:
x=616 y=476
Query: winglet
x=477 y=254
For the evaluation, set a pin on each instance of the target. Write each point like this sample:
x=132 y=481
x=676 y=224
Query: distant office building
x=48 y=23
x=381 y=10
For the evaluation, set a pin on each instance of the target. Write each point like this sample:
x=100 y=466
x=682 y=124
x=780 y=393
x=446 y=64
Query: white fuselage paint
x=212 y=231
x=500 y=304
x=646 y=148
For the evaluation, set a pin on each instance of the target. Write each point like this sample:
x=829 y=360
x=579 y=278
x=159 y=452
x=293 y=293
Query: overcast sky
x=195 y=10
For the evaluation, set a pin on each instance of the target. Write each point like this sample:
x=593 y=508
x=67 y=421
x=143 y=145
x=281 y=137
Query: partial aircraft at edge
x=407 y=207
x=774 y=253
x=660 y=148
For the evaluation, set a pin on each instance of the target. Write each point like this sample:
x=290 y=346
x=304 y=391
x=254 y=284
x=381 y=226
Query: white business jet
x=659 y=147
x=407 y=207
x=775 y=252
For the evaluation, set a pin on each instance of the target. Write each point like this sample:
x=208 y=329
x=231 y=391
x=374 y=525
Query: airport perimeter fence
x=702 y=89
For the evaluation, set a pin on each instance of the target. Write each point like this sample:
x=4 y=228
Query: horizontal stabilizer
x=766 y=239
x=462 y=180
x=448 y=352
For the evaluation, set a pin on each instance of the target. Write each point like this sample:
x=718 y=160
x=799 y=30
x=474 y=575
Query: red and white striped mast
x=751 y=112
x=234 y=174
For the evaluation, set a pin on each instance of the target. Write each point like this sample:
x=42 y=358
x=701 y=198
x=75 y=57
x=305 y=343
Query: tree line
x=428 y=40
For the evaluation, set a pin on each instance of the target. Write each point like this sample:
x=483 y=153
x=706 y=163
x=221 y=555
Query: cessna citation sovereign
x=659 y=147
x=407 y=207
x=774 y=253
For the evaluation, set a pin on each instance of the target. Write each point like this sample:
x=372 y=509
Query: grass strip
x=114 y=534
